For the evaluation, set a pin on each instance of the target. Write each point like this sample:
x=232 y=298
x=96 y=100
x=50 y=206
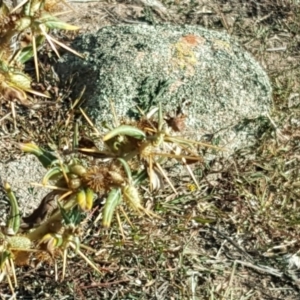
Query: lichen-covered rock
x=216 y=83
x=20 y=174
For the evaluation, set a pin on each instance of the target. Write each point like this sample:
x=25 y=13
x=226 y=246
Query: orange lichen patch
x=193 y=40
x=177 y=123
x=183 y=54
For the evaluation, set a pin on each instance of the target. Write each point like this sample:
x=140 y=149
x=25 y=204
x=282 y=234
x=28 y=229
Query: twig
x=265 y=269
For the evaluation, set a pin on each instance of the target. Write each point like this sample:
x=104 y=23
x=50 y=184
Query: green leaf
x=70 y=215
x=126 y=168
x=113 y=199
x=32 y=7
x=3 y=258
x=27 y=52
x=89 y=198
x=53 y=23
x=13 y=222
x=45 y=157
x=125 y=130
x=53 y=172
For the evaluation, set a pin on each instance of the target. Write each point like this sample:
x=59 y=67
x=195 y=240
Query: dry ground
x=237 y=238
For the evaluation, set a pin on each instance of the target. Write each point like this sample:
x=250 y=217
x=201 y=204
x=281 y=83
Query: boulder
x=219 y=86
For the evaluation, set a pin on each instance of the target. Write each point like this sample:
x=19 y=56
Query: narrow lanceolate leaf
x=52 y=22
x=113 y=199
x=26 y=53
x=53 y=172
x=89 y=198
x=126 y=168
x=32 y=7
x=5 y=255
x=125 y=130
x=81 y=199
x=45 y=157
x=13 y=222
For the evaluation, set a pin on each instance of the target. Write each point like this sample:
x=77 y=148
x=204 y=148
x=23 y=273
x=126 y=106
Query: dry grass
x=238 y=236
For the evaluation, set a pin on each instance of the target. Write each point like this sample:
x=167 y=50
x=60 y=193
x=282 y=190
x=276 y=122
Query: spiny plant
x=23 y=30
x=132 y=154
x=59 y=234
x=138 y=150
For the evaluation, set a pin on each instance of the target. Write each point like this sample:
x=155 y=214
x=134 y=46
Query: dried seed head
x=21 y=258
x=116 y=173
x=146 y=149
x=19 y=242
x=177 y=123
x=45 y=257
x=132 y=198
x=97 y=179
x=116 y=177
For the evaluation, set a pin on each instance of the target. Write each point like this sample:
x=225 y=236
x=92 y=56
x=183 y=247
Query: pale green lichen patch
x=183 y=57
x=219 y=83
x=222 y=46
